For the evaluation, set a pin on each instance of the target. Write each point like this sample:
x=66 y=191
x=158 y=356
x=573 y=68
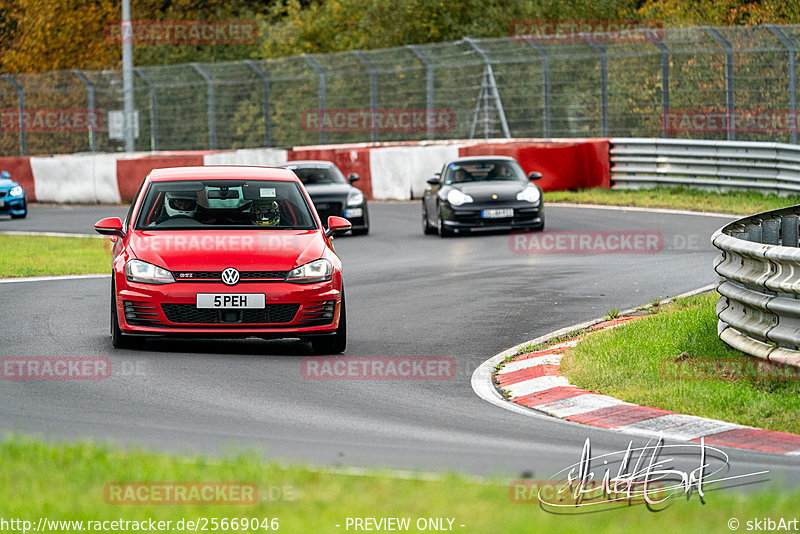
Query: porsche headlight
x=147 y=273
x=315 y=271
x=529 y=194
x=456 y=197
x=15 y=191
x=355 y=198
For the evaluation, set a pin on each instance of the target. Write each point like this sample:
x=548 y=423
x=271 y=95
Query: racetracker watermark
x=178 y=32
x=730 y=369
x=740 y=120
x=55 y=368
x=381 y=120
x=51 y=120
x=586 y=30
x=181 y=493
x=591 y=242
x=200 y=242
x=378 y=368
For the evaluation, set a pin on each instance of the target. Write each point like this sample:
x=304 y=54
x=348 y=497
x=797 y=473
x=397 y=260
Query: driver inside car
x=265 y=213
x=180 y=204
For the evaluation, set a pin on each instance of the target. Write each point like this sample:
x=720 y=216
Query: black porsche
x=331 y=193
x=482 y=193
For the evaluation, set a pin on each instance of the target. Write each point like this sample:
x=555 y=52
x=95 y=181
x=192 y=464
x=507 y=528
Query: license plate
x=231 y=300
x=498 y=213
x=355 y=212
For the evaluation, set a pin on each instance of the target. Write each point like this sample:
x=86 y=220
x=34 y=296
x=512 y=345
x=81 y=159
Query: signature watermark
x=381 y=120
x=583 y=30
x=177 y=32
x=378 y=368
x=51 y=120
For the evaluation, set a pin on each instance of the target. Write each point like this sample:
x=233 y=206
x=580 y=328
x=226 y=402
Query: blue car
x=12 y=197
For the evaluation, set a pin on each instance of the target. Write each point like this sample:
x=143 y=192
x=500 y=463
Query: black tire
x=427 y=229
x=443 y=230
x=118 y=339
x=334 y=343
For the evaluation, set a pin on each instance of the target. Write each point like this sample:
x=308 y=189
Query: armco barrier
x=721 y=165
x=388 y=171
x=759 y=310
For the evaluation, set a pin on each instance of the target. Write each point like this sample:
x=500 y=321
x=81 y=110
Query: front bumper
x=292 y=310
x=468 y=217
x=13 y=205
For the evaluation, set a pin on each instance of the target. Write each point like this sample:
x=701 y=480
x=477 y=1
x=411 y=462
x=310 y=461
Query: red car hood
x=245 y=250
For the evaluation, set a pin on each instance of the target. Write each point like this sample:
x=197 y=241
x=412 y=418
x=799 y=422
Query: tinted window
x=318 y=175
x=484 y=170
x=220 y=204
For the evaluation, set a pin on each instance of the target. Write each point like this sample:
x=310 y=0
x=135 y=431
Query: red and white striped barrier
x=388 y=171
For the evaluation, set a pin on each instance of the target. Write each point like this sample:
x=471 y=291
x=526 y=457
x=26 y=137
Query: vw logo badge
x=230 y=276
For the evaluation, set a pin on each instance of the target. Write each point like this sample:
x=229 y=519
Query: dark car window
x=317 y=175
x=484 y=170
x=224 y=204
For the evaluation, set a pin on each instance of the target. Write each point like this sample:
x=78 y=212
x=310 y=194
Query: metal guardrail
x=759 y=310
x=722 y=165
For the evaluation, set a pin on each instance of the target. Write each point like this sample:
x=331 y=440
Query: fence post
x=601 y=52
x=664 y=80
x=90 y=101
x=264 y=101
x=489 y=76
x=373 y=91
x=792 y=74
x=212 y=116
x=428 y=87
x=323 y=137
x=23 y=140
x=545 y=84
x=153 y=109
x=730 y=109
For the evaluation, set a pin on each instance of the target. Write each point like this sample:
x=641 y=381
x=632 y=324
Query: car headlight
x=456 y=197
x=147 y=273
x=315 y=271
x=355 y=198
x=529 y=194
x=16 y=191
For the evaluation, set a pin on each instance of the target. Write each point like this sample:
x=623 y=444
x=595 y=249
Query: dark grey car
x=482 y=193
x=331 y=193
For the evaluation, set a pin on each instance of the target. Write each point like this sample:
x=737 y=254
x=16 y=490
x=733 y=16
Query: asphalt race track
x=408 y=295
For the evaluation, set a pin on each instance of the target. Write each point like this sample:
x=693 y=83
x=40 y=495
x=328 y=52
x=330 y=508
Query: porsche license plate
x=231 y=300
x=498 y=213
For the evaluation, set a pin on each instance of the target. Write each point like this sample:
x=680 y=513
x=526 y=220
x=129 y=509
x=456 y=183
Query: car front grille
x=318 y=314
x=216 y=276
x=328 y=209
x=521 y=216
x=138 y=313
x=190 y=314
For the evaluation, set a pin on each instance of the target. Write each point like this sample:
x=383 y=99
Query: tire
x=334 y=343
x=118 y=339
x=427 y=229
x=443 y=231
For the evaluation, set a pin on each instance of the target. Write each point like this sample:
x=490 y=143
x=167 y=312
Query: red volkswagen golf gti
x=226 y=251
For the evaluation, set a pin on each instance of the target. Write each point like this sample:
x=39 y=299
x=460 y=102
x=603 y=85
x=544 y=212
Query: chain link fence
x=714 y=83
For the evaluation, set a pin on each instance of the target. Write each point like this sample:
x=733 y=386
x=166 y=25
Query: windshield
x=484 y=170
x=223 y=204
x=318 y=175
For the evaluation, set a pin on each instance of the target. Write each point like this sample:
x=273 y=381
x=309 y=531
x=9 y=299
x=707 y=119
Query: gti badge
x=230 y=276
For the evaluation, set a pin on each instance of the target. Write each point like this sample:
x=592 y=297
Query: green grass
x=735 y=202
x=43 y=255
x=661 y=361
x=66 y=482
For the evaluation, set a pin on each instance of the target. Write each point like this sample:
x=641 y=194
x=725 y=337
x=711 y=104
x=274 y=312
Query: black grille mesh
x=189 y=314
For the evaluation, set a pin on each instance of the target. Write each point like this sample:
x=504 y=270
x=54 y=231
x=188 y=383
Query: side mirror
x=353 y=178
x=109 y=226
x=337 y=226
x=534 y=176
x=434 y=180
